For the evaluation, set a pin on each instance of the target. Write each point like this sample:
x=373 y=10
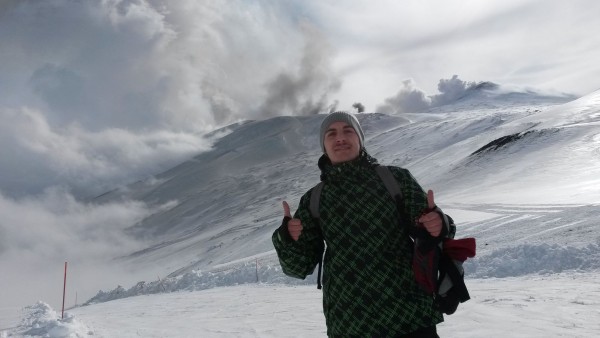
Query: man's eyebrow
x=333 y=129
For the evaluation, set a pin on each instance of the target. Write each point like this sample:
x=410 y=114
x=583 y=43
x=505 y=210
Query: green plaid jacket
x=369 y=288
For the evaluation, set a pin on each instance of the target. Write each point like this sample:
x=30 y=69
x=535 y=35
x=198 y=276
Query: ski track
x=552 y=224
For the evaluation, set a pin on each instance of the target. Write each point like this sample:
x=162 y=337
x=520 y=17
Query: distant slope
x=222 y=205
x=549 y=156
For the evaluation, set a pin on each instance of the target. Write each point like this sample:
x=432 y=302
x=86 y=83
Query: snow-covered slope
x=222 y=205
x=562 y=305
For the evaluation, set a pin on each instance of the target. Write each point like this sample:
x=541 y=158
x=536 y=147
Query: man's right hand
x=294 y=224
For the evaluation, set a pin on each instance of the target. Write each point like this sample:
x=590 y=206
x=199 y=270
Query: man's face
x=341 y=143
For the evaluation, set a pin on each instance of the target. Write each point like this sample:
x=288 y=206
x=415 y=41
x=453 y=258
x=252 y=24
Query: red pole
x=64 y=290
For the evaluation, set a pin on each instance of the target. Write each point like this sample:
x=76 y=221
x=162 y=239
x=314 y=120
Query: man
x=369 y=288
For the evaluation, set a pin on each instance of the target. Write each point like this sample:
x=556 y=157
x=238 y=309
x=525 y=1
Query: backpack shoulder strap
x=315 y=199
x=389 y=181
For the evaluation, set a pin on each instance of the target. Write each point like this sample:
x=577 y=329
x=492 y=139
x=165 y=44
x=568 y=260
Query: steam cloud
x=359 y=107
x=38 y=234
x=99 y=93
x=307 y=92
x=411 y=99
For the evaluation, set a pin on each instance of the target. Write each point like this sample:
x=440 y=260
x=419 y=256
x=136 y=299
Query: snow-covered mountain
x=487 y=148
x=518 y=171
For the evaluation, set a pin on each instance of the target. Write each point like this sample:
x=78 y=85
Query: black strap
x=315 y=199
x=390 y=182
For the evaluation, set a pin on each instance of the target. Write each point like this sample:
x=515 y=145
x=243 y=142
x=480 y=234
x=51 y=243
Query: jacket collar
x=346 y=169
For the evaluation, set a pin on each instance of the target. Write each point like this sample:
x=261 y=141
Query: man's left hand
x=431 y=220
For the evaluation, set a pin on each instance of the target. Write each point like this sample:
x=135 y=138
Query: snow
x=532 y=204
x=42 y=320
x=557 y=305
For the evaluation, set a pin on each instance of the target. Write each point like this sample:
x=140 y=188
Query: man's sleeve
x=299 y=258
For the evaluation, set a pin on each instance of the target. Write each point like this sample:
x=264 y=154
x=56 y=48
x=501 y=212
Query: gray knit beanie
x=342 y=116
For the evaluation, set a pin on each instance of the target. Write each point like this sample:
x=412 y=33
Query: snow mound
x=264 y=271
x=512 y=261
x=531 y=259
x=42 y=321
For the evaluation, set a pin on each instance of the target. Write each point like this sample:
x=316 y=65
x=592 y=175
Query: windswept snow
x=557 y=305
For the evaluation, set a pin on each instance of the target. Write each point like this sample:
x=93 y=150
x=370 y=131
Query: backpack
x=437 y=263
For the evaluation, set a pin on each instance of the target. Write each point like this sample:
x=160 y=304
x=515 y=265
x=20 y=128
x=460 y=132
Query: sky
x=99 y=93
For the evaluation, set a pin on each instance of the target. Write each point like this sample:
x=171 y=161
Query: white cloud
x=55 y=225
x=411 y=99
x=549 y=45
x=95 y=94
x=37 y=155
x=145 y=64
x=38 y=234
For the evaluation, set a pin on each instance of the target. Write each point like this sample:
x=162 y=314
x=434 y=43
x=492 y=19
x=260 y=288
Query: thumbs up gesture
x=294 y=224
x=431 y=220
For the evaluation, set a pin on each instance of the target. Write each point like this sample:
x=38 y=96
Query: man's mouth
x=341 y=148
